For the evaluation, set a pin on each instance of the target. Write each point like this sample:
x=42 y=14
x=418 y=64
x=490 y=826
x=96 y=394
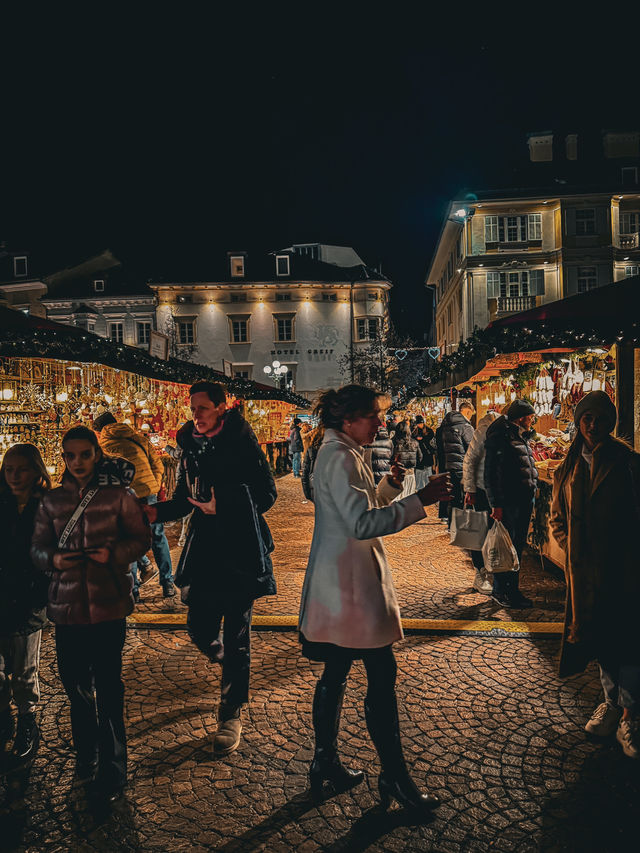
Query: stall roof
x=24 y=335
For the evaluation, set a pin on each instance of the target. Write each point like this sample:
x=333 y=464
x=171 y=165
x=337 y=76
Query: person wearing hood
x=455 y=436
x=595 y=516
x=511 y=479
x=474 y=493
x=225 y=564
x=119 y=439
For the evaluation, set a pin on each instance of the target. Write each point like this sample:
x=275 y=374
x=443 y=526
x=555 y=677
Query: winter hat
x=520 y=409
x=419 y=419
x=102 y=421
x=599 y=403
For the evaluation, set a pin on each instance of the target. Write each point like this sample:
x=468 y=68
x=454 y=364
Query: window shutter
x=601 y=221
x=501 y=229
x=570 y=222
x=493 y=285
x=605 y=275
x=571 y=285
x=536 y=282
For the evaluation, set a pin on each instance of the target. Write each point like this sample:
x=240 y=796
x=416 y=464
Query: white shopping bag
x=468 y=528
x=498 y=552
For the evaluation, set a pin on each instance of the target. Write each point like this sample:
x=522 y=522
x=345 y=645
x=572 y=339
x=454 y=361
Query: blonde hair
x=31 y=454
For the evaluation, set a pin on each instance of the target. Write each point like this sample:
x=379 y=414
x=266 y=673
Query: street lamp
x=277 y=372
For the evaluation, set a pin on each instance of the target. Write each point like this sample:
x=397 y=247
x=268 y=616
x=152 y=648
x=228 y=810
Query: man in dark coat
x=510 y=477
x=426 y=438
x=296 y=446
x=225 y=564
x=455 y=437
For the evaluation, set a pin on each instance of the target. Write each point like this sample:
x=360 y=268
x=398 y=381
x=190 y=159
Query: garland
x=539 y=530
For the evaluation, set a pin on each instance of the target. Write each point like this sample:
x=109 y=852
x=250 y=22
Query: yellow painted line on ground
x=435 y=625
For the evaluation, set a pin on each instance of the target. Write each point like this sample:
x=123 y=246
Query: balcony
x=515 y=304
x=629 y=241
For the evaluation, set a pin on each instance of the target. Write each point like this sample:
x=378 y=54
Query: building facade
x=286 y=306
x=502 y=252
x=99 y=295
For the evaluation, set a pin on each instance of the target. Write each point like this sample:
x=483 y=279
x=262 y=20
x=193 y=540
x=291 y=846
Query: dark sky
x=177 y=135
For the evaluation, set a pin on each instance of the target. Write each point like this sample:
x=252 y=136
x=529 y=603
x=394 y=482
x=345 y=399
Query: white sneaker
x=604 y=720
x=627 y=736
x=481 y=583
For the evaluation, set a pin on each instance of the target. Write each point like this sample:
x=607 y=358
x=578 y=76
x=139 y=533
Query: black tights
x=381 y=668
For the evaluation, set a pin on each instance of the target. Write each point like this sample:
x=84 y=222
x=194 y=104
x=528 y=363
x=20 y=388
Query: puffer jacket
x=227 y=554
x=473 y=466
x=426 y=438
x=407 y=451
x=510 y=474
x=381 y=454
x=23 y=589
x=456 y=435
x=90 y=592
x=121 y=440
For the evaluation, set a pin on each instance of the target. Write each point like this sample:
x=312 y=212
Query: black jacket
x=295 y=441
x=408 y=451
x=381 y=454
x=226 y=554
x=426 y=438
x=456 y=435
x=23 y=589
x=510 y=474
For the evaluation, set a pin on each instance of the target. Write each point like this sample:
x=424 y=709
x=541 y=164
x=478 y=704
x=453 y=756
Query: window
x=283 y=297
x=98 y=285
x=629 y=175
x=513 y=229
x=586 y=221
x=241 y=371
x=373 y=295
x=630 y=270
x=238 y=297
x=284 y=327
x=367 y=328
x=116 y=332
x=282 y=265
x=329 y=297
x=143 y=332
x=629 y=223
x=186 y=332
x=239 y=328
x=237 y=266
x=20 y=266
x=517 y=283
x=587 y=279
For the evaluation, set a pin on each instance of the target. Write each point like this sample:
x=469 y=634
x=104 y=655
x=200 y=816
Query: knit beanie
x=102 y=421
x=599 y=403
x=520 y=409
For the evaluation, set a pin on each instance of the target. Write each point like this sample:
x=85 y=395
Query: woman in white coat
x=349 y=609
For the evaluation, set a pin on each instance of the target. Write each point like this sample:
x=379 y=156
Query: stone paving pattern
x=486 y=725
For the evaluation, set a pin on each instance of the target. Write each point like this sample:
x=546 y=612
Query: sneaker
x=604 y=720
x=627 y=736
x=147 y=572
x=502 y=599
x=481 y=583
x=27 y=737
x=168 y=590
x=227 y=736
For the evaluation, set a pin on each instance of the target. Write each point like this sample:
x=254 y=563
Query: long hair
x=334 y=407
x=31 y=454
x=82 y=433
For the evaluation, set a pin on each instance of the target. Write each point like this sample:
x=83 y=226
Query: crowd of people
x=71 y=554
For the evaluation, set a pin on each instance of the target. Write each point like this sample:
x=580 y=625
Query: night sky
x=170 y=137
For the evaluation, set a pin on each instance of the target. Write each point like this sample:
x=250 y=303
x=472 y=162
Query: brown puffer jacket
x=121 y=440
x=90 y=592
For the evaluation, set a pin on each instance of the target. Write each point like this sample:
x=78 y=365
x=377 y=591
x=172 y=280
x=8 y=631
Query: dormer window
x=237 y=266
x=20 y=266
x=98 y=285
x=282 y=265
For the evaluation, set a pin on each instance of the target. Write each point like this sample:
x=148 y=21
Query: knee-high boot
x=326 y=766
x=381 y=713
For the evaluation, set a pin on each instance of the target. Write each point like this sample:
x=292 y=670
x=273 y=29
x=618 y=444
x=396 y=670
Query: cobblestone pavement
x=486 y=725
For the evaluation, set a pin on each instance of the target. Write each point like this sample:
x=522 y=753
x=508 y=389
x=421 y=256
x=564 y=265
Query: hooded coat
x=510 y=473
x=348 y=598
x=455 y=436
x=121 y=440
x=226 y=554
x=473 y=465
x=595 y=516
x=381 y=450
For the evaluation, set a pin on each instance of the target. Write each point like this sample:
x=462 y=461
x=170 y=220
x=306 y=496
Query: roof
x=77 y=281
x=24 y=335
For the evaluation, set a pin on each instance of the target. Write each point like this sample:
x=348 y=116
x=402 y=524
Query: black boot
x=27 y=738
x=326 y=766
x=394 y=781
x=7 y=727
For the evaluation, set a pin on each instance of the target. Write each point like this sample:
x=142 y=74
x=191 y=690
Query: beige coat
x=121 y=440
x=348 y=597
x=595 y=518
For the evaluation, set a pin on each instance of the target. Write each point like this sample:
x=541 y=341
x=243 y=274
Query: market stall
x=53 y=377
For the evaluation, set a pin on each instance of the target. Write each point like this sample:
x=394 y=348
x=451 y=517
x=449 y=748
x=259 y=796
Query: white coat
x=348 y=597
x=473 y=465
